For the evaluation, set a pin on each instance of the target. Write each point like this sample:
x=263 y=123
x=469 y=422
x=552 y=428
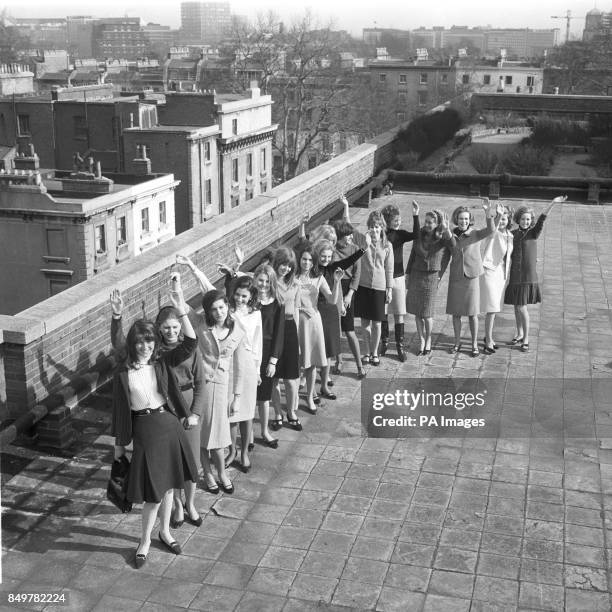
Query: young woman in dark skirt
x=523 y=287
x=147 y=406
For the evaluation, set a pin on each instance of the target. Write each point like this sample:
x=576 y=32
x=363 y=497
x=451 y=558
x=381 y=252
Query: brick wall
x=49 y=346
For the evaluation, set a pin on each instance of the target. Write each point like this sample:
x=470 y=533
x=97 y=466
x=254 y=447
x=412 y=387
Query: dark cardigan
x=525 y=254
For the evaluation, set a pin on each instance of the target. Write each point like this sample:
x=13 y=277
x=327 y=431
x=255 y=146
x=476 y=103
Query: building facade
x=119 y=37
x=204 y=22
x=62 y=229
x=499 y=76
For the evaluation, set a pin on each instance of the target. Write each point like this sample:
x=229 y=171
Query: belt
x=186 y=386
x=147 y=411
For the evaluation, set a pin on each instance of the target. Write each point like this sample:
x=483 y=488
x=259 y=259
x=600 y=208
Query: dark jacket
x=397 y=238
x=429 y=256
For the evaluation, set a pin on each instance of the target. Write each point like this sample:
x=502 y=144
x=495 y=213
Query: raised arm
x=117 y=335
x=203 y=281
x=345 y=211
x=188 y=346
x=536 y=230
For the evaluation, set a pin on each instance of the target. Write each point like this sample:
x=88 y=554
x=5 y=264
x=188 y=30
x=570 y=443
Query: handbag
x=116 y=491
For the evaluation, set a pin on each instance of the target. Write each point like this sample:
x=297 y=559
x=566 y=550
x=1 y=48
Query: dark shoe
x=426 y=351
x=229 y=461
x=421 y=353
x=400 y=352
x=316 y=399
x=375 y=360
x=229 y=489
x=139 y=560
x=384 y=344
x=214 y=490
x=475 y=352
x=174 y=547
x=329 y=396
x=250 y=447
x=174 y=524
x=245 y=469
x=276 y=424
x=455 y=349
x=488 y=350
x=365 y=360
x=337 y=369
x=294 y=424
x=525 y=347
x=361 y=375
x=273 y=443
x=516 y=340
x=196 y=522
x=330 y=383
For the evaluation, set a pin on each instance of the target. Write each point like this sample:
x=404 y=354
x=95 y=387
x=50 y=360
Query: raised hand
x=415 y=208
x=116 y=302
x=486 y=205
x=176 y=292
x=239 y=255
x=183 y=260
x=224 y=268
x=368 y=240
x=444 y=222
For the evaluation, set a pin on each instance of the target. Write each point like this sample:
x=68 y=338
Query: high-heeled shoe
x=173 y=546
x=516 y=340
x=174 y=524
x=196 y=522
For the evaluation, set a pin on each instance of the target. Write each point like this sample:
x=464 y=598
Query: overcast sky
x=349 y=15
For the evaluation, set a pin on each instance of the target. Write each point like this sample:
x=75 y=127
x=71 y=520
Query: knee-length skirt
x=162 y=459
x=492 y=284
x=521 y=294
x=312 y=340
x=289 y=362
x=397 y=305
x=245 y=406
x=370 y=304
x=421 y=293
x=330 y=317
x=463 y=296
x=215 y=416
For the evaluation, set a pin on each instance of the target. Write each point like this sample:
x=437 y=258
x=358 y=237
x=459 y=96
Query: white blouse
x=144 y=392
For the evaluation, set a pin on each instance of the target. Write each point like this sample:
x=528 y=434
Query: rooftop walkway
x=332 y=520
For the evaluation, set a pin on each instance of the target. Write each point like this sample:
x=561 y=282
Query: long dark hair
x=243 y=282
x=141 y=330
x=314 y=271
x=210 y=297
x=285 y=255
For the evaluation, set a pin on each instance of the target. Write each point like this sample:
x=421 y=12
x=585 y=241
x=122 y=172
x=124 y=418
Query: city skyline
x=344 y=15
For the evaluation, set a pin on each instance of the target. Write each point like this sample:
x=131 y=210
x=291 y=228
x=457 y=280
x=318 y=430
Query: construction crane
x=568 y=18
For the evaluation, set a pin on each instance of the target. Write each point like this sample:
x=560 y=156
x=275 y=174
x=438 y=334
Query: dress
x=310 y=329
x=273 y=326
x=218 y=360
x=288 y=367
x=245 y=406
x=427 y=263
x=523 y=287
x=497 y=250
x=161 y=459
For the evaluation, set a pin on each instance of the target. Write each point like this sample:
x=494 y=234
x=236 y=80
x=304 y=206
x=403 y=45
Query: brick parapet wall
x=49 y=346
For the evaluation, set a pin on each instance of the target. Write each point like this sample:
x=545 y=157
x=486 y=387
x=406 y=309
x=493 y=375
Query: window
x=23 y=124
x=100 y=238
x=508 y=80
x=401 y=116
x=530 y=81
x=444 y=78
x=79 y=127
x=465 y=79
x=249 y=194
x=264 y=164
x=235 y=201
x=403 y=79
x=263 y=187
x=121 y=231
x=423 y=78
x=144 y=219
x=235 y=169
x=309 y=115
x=249 y=164
x=56 y=243
x=401 y=98
x=234 y=126
x=312 y=161
x=486 y=79
x=162 y=213
x=382 y=78
x=207 y=151
x=342 y=142
x=208 y=191
x=422 y=98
